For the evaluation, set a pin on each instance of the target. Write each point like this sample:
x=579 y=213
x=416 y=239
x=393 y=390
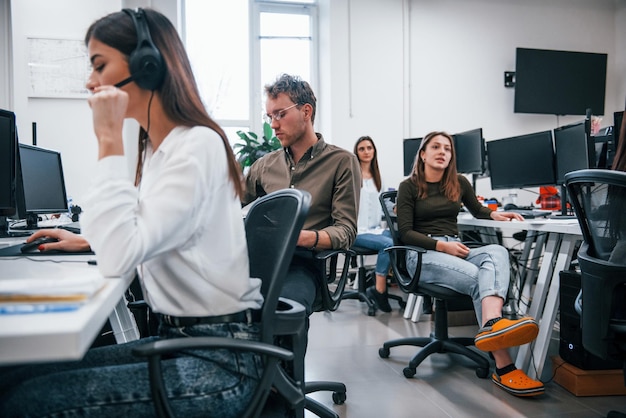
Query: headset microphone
x=124 y=82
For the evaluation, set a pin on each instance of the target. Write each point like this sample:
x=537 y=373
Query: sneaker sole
x=520 y=392
x=512 y=336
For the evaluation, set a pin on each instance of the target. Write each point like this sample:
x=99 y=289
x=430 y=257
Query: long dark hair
x=373 y=164
x=450 y=186
x=179 y=92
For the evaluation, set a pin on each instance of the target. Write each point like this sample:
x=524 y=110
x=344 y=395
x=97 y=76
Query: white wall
x=458 y=52
x=62 y=124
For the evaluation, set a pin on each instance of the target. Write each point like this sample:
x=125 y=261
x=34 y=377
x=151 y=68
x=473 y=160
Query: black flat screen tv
x=559 y=82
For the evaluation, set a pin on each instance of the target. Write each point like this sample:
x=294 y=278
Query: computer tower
x=570 y=345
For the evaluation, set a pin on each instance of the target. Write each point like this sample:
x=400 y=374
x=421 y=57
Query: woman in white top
x=370 y=234
x=179 y=221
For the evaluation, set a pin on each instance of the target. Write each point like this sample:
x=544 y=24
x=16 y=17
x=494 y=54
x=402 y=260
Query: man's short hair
x=298 y=90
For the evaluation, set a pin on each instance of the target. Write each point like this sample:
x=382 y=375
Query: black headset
x=147 y=68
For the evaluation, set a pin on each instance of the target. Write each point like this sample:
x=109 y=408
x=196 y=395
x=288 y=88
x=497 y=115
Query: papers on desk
x=39 y=295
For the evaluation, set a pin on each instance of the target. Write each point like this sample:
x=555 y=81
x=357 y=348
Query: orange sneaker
x=506 y=333
x=518 y=383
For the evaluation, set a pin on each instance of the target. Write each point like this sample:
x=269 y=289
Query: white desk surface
x=59 y=335
x=560 y=226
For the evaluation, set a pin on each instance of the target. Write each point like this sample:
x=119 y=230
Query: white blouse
x=183 y=227
x=370 y=212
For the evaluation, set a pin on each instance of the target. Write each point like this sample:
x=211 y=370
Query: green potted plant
x=252 y=148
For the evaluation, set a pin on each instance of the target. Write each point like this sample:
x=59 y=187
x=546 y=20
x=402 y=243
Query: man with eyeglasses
x=329 y=173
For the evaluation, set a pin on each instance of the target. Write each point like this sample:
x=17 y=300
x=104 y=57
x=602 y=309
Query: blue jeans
x=379 y=243
x=486 y=271
x=110 y=381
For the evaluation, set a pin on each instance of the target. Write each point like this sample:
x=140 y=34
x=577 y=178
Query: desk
x=61 y=335
x=562 y=236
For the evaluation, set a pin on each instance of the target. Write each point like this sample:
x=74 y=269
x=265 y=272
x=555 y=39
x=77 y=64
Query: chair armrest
x=328 y=259
x=155 y=349
x=407 y=282
x=161 y=347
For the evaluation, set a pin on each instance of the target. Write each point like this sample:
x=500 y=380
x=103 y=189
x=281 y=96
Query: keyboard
x=532 y=213
x=72 y=227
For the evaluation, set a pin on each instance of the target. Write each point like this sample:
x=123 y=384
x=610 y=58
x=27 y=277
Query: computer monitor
x=8 y=144
x=574 y=150
x=40 y=184
x=410 y=147
x=470 y=151
x=618 y=119
x=521 y=161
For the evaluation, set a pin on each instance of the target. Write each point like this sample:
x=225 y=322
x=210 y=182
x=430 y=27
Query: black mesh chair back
x=273 y=224
x=599 y=198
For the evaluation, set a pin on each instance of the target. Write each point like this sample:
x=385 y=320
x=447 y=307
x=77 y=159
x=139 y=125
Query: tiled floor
x=343 y=346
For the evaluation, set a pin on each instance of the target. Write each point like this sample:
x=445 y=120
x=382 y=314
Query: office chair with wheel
x=598 y=198
x=273 y=224
x=332 y=283
x=438 y=341
x=358 y=260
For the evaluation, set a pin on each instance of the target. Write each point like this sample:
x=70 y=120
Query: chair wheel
x=482 y=372
x=408 y=372
x=339 y=398
x=383 y=352
x=371 y=311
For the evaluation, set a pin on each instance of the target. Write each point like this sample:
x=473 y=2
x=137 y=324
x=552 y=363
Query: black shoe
x=380 y=299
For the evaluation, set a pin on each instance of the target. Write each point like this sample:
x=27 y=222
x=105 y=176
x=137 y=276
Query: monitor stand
x=563 y=214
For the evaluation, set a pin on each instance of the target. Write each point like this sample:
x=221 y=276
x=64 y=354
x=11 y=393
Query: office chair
x=332 y=283
x=598 y=198
x=358 y=260
x=273 y=224
x=438 y=341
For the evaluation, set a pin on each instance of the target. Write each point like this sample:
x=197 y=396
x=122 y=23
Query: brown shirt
x=329 y=173
x=434 y=215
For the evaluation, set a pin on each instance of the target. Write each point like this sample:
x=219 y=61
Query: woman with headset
x=179 y=221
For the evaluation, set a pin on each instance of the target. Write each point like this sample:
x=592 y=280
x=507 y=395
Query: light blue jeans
x=110 y=381
x=377 y=242
x=485 y=272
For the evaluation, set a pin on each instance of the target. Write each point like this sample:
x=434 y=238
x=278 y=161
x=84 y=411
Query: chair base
x=359 y=293
x=339 y=397
x=438 y=342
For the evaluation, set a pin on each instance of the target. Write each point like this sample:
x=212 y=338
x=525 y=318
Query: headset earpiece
x=146 y=65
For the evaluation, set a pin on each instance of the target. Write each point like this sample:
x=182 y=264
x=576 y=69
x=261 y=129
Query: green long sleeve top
x=434 y=215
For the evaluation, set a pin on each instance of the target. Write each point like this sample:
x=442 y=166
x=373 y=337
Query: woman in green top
x=428 y=205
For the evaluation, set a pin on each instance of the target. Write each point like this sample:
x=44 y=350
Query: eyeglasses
x=278 y=115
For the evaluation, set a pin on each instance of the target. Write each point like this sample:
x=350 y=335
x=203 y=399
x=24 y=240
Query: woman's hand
x=506 y=216
x=108 y=105
x=455 y=248
x=68 y=241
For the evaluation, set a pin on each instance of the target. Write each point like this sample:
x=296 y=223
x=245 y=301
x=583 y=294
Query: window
x=238 y=46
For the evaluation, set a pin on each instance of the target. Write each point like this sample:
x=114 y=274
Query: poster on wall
x=57 y=68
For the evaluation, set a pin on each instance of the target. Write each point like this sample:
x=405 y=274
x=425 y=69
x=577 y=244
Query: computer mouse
x=33 y=246
x=510 y=206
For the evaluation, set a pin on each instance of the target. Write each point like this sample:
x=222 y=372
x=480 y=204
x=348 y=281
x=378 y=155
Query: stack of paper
x=32 y=295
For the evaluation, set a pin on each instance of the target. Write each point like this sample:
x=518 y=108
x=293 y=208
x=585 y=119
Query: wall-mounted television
x=559 y=82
